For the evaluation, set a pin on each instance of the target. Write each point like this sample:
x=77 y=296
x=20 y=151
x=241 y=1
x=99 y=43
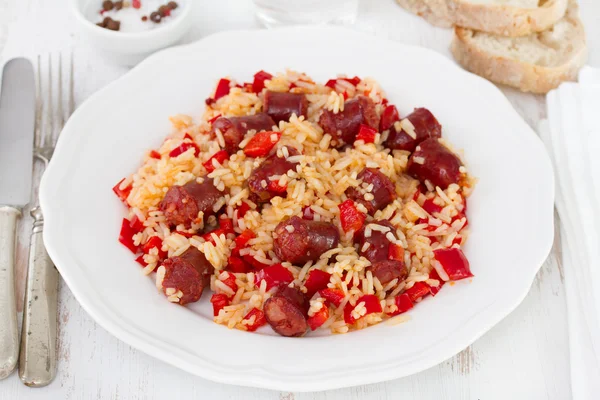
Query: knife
x=17 y=121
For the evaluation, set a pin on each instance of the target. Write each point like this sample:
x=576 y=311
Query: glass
x=272 y=13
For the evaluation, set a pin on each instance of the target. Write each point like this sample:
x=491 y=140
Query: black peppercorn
x=107 y=5
x=155 y=17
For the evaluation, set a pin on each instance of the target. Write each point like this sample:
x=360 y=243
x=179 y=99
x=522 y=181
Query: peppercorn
x=172 y=5
x=118 y=5
x=107 y=5
x=144 y=18
x=155 y=17
x=164 y=11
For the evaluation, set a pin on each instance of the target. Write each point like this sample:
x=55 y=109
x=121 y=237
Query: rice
x=320 y=180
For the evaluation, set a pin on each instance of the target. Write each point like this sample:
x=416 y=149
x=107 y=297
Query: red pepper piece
x=186 y=234
x=308 y=213
x=140 y=260
x=237 y=265
x=319 y=318
x=257 y=265
x=155 y=242
x=213 y=119
x=317 y=280
x=461 y=216
x=259 y=319
x=261 y=144
x=454 y=263
x=136 y=224
x=126 y=235
x=332 y=82
x=388 y=117
x=219 y=156
x=332 y=296
x=219 y=301
x=242 y=240
x=259 y=81
x=366 y=134
x=372 y=305
x=435 y=289
x=230 y=282
x=350 y=217
x=243 y=209
x=431 y=207
x=429 y=228
x=403 y=303
x=155 y=154
x=275 y=187
x=183 y=147
x=417 y=194
x=248 y=87
x=395 y=252
x=122 y=193
x=418 y=291
x=274 y=275
x=222 y=88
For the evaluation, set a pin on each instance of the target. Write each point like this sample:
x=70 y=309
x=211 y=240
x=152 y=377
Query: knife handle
x=9 y=335
x=37 y=362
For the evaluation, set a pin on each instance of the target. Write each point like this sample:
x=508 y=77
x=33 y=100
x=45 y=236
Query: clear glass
x=272 y=13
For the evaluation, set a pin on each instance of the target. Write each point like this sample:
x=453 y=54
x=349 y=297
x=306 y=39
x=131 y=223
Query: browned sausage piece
x=378 y=253
x=259 y=183
x=433 y=161
x=235 y=128
x=286 y=312
x=182 y=203
x=344 y=125
x=299 y=241
x=189 y=273
x=426 y=126
x=280 y=105
x=383 y=191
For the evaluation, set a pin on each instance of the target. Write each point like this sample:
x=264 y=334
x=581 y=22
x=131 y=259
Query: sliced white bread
x=535 y=63
x=500 y=17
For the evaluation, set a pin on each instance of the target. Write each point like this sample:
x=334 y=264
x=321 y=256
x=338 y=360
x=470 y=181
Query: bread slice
x=535 y=63
x=500 y=17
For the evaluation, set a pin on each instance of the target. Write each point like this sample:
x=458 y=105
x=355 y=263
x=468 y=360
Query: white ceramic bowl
x=129 y=48
x=510 y=211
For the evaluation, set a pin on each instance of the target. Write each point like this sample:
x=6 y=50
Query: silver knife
x=17 y=120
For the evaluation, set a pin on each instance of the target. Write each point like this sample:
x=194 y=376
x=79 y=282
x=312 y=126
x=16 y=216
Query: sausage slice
x=181 y=204
x=286 y=312
x=235 y=128
x=378 y=253
x=189 y=273
x=383 y=192
x=299 y=240
x=281 y=105
x=259 y=181
x=344 y=125
x=433 y=161
x=426 y=126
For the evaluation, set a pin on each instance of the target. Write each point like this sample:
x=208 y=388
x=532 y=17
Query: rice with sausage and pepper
x=301 y=205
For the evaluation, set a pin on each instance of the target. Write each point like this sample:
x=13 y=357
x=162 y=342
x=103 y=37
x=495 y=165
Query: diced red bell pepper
x=259 y=319
x=403 y=303
x=242 y=240
x=372 y=305
x=153 y=242
x=188 y=136
x=332 y=296
x=417 y=291
x=126 y=235
x=388 y=117
x=435 y=289
x=261 y=144
x=136 y=224
x=274 y=275
x=308 y=213
x=213 y=119
x=366 y=134
x=226 y=224
x=332 y=82
x=350 y=217
x=243 y=209
x=219 y=301
x=222 y=88
x=155 y=154
x=257 y=265
x=429 y=228
x=209 y=237
x=457 y=240
x=395 y=252
x=237 y=265
x=122 y=193
x=140 y=260
x=136 y=3
x=431 y=207
x=454 y=262
x=219 y=156
x=185 y=234
x=259 y=81
x=183 y=147
x=319 y=318
x=317 y=280
x=461 y=216
x=417 y=194
x=275 y=187
x=230 y=282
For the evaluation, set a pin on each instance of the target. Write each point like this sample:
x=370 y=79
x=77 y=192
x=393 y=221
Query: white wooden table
x=526 y=356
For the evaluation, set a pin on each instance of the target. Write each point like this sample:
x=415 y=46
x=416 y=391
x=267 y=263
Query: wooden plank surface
x=523 y=357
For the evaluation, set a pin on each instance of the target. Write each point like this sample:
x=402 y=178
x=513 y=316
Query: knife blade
x=17 y=124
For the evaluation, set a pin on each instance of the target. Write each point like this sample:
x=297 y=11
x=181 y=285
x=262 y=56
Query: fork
x=37 y=359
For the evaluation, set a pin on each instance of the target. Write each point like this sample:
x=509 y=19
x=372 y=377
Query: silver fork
x=37 y=359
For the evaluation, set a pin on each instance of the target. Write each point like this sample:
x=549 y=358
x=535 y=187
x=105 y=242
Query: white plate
x=511 y=210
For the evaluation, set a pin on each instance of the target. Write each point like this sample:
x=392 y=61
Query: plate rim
x=260 y=376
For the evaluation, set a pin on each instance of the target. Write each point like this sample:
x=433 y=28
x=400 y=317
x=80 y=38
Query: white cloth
x=572 y=136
